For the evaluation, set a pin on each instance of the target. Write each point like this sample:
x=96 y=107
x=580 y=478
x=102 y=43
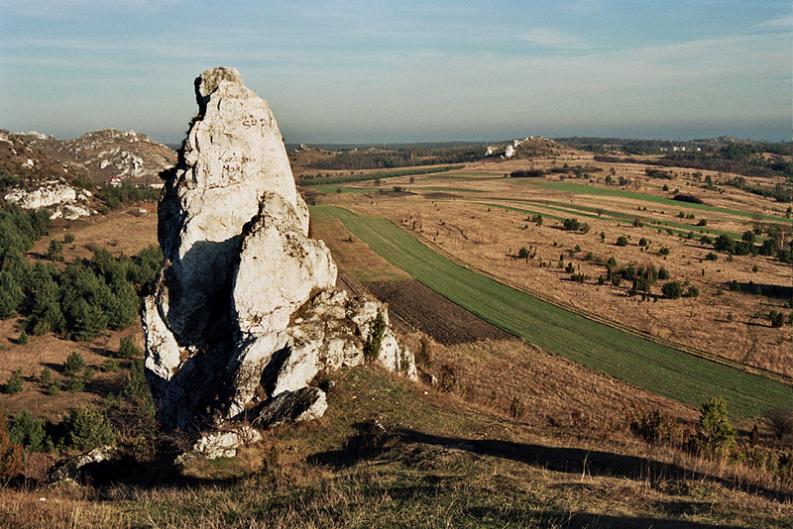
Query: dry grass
x=458 y=465
x=719 y=322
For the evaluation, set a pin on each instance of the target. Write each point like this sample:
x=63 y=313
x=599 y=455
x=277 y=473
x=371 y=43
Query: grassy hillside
x=629 y=357
x=439 y=462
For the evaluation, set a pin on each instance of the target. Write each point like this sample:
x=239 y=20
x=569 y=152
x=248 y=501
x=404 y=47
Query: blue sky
x=376 y=71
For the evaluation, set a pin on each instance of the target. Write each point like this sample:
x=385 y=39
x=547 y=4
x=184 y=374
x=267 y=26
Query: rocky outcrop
x=245 y=313
x=59 y=198
x=527 y=147
x=104 y=157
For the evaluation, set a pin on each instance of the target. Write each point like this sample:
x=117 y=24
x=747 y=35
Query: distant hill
x=76 y=178
x=101 y=157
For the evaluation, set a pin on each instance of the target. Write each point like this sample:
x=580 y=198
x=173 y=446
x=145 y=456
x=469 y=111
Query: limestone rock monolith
x=245 y=313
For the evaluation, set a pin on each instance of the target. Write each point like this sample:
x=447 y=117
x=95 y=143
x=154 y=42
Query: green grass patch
x=621 y=354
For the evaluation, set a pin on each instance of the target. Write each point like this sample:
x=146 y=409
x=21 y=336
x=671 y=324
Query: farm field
x=584 y=189
x=727 y=318
x=631 y=358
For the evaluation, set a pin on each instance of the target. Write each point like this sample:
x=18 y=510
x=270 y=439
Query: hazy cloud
x=553 y=38
x=785 y=22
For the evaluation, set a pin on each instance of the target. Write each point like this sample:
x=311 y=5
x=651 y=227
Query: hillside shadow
x=585 y=520
x=368 y=443
x=762 y=289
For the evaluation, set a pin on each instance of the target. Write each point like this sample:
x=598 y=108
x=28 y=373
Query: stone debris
x=71 y=469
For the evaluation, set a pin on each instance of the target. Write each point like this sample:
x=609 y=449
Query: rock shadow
x=372 y=442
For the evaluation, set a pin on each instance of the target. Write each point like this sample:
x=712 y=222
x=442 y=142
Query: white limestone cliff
x=245 y=313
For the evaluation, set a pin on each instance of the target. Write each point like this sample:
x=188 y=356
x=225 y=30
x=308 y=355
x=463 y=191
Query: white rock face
x=245 y=312
x=62 y=200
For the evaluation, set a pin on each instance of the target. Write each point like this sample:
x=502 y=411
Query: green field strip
x=584 y=189
x=624 y=355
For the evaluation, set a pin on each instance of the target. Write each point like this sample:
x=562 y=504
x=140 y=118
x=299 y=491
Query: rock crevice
x=245 y=314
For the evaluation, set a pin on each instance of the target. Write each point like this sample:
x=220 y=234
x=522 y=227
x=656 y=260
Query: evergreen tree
x=11 y=294
x=715 y=433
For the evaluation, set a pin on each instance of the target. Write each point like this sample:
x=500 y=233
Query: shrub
x=655 y=427
x=715 y=434
x=692 y=292
x=780 y=422
x=516 y=408
x=711 y=257
x=10 y=452
x=777 y=318
x=643 y=242
x=136 y=387
x=127 y=348
x=702 y=222
x=663 y=274
x=575 y=225
x=372 y=345
x=23 y=338
x=133 y=416
x=523 y=253
x=74 y=364
x=45 y=378
x=27 y=431
x=74 y=384
x=126 y=193
x=672 y=289
x=55 y=250
x=724 y=243
x=424 y=354
x=14 y=383
x=86 y=429
x=622 y=241
x=68 y=238
x=664 y=251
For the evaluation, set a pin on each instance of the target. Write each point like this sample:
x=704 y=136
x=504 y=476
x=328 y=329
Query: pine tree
x=11 y=294
x=715 y=433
